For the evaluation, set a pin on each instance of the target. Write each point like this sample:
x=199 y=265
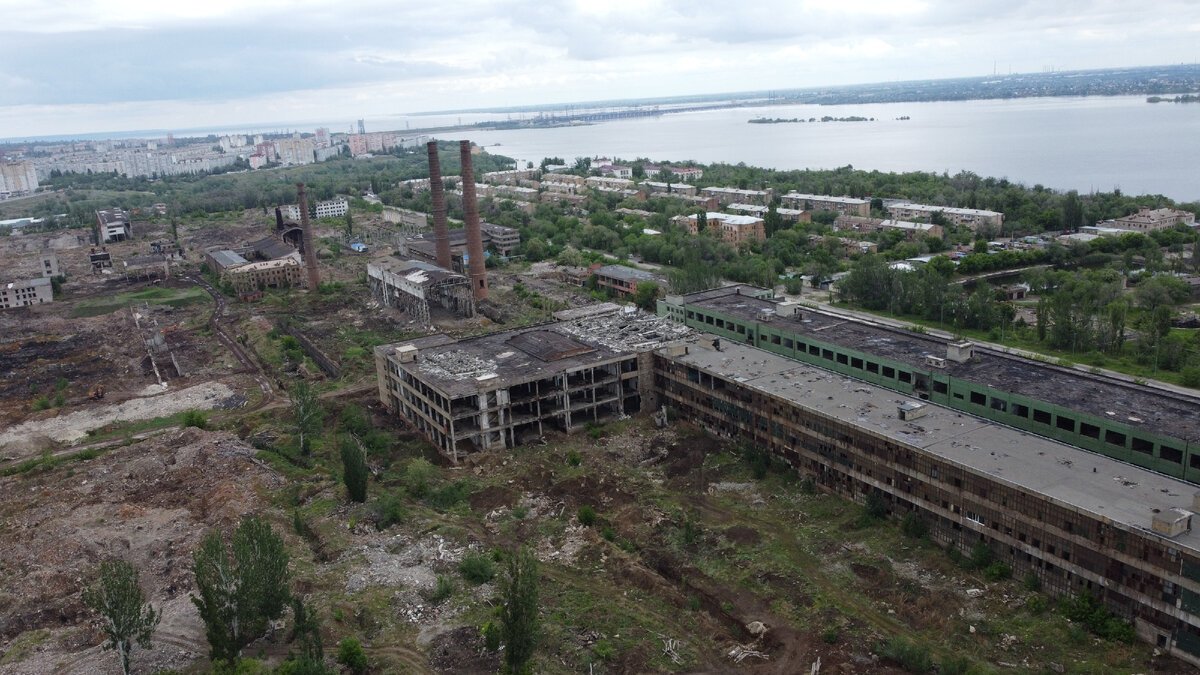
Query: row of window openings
x=1111 y=437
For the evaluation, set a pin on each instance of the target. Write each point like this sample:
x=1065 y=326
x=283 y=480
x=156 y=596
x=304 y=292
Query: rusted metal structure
x=476 y=265
x=441 y=236
x=310 y=251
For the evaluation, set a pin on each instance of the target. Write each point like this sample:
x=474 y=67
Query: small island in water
x=1183 y=98
x=827 y=118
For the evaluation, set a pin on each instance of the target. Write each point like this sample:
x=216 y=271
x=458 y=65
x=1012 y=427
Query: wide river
x=1086 y=144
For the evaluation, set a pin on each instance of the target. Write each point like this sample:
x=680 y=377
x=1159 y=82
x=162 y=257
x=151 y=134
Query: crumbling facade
x=112 y=225
x=505 y=389
x=414 y=287
x=1080 y=522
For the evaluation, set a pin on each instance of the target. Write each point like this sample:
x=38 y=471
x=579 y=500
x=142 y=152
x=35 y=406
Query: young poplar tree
x=128 y=619
x=519 y=613
x=242 y=586
x=354 y=470
x=306 y=413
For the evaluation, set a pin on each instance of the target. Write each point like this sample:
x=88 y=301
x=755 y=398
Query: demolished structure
x=414 y=286
x=505 y=389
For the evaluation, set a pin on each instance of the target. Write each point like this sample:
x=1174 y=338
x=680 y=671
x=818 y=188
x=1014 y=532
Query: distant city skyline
x=116 y=66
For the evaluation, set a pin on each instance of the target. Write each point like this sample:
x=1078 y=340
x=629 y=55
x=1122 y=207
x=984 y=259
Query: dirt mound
x=148 y=503
x=742 y=535
x=492 y=497
x=462 y=651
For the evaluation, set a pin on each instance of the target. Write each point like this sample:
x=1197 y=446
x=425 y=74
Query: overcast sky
x=74 y=66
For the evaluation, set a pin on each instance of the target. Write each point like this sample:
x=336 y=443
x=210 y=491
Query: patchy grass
x=157 y=295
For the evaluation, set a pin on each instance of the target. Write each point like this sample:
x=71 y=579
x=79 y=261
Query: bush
x=491 y=636
x=1032 y=582
x=690 y=532
x=831 y=635
x=586 y=515
x=447 y=496
x=910 y=656
x=418 y=477
x=912 y=526
x=981 y=556
x=574 y=458
x=41 y=403
x=876 y=506
x=1037 y=605
x=1087 y=610
x=1190 y=376
x=955 y=665
x=477 y=568
x=351 y=655
x=997 y=571
x=354 y=470
x=443 y=590
x=389 y=510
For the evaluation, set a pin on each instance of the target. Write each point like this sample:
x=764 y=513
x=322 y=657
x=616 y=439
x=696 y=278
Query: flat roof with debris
x=1106 y=488
x=624 y=273
x=469 y=366
x=1168 y=413
x=417 y=272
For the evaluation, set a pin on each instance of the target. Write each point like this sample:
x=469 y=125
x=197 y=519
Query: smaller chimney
x=310 y=250
x=278 y=219
x=477 y=268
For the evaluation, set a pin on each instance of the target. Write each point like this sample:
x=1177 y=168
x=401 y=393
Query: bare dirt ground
x=148 y=503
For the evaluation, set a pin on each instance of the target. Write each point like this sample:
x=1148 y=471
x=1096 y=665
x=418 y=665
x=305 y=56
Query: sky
x=78 y=66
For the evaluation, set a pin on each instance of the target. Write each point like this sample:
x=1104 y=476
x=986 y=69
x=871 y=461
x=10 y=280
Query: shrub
x=477 y=568
x=603 y=650
x=912 y=526
x=447 y=496
x=690 y=532
x=351 y=655
x=443 y=590
x=997 y=571
x=808 y=486
x=876 y=506
x=491 y=636
x=389 y=510
x=981 y=556
x=954 y=665
x=574 y=458
x=41 y=403
x=418 y=477
x=586 y=515
x=1037 y=605
x=831 y=635
x=1190 y=376
x=1087 y=610
x=910 y=656
x=1032 y=582
x=608 y=533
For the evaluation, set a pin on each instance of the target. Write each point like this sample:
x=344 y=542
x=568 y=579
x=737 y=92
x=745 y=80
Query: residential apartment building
x=1148 y=220
x=674 y=189
x=732 y=229
x=26 y=292
x=785 y=214
x=970 y=218
x=295 y=151
x=609 y=182
x=727 y=195
x=850 y=206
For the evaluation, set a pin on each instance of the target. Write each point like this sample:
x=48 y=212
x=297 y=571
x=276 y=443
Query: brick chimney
x=477 y=266
x=441 y=237
x=310 y=250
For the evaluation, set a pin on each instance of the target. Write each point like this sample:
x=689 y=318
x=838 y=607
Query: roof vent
x=960 y=352
x=911 y=410
x=935 y=361
x=406 y=353
x=1171 y=522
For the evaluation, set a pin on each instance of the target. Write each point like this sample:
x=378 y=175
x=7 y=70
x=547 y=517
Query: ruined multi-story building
x=416 y=287
x=505 y=389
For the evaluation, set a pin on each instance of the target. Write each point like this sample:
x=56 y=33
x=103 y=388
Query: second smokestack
x=477 y=267
x=310 y=250
x=441 y=235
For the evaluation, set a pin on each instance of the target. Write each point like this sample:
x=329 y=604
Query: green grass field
x=174 y=297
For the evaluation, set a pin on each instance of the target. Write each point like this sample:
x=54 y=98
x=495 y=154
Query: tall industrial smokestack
x=441 y=236
x=278 y=220
x=478 y=268
x=310 y=251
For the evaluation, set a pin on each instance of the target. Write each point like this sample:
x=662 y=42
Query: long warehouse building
x=1153 y=428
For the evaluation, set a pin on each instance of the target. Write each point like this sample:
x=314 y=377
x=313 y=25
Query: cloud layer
x=106 y=65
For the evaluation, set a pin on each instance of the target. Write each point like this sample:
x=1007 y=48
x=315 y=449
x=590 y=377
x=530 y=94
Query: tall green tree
x=646 y=295
x=1072 y=211
x=519 y=611
x=354 y=469
x=242 y=586
x=307 y=413
x=128 y=619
